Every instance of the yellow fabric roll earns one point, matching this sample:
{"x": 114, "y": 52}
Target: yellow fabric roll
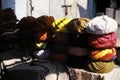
{"x": 59, "y": 25}
{"x": 103, "y": 55}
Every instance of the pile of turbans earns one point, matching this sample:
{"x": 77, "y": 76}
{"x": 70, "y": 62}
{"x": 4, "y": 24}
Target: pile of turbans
{"x": 79, "y": 42}
{"x": 70, "y": 41}
{"x": 60, "y": 40}
{"x": 86, "y": 43}
{"x": 102, "y": 40}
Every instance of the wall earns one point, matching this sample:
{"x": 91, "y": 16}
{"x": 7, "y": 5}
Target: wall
{"x": 37, "y": 8}
{"x": 19, "y": 6}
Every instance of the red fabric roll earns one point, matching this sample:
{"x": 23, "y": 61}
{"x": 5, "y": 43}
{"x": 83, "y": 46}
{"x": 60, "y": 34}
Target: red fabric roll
{"x": 103, "y": 55}
{"x": 103, "y": 41}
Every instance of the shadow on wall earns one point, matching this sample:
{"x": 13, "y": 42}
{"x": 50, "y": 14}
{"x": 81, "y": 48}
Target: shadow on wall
{"x": 82, "y": 11}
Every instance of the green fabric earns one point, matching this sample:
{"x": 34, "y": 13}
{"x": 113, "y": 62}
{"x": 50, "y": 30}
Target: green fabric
{"x": 101, "y": 67}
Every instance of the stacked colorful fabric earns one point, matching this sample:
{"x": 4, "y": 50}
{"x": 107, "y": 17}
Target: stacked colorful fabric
{"x": 78, "y": 43}
{"x": 70, "y": 39}
{"x": 60, "y": 40}
{"x": 102, "y": 40}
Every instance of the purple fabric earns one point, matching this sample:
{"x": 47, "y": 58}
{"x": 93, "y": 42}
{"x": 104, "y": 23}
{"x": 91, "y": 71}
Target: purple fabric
{"x": 77, "y": 51}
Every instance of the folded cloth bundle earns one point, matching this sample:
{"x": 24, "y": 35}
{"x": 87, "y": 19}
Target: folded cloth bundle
{"x": 103, "y": 55}
{"x": 46, "y": 20}
{"x": 77, "y": 51}
{"x": 59, "y": 57}
{"x": 80, "y": 40}
{"x": 101, "y": 25}
{"x": 78, "y": 25}
{"x": 103, "y": 41}
{"x": 25, "y": 33}
{"x": 61, "y": 38}
{"x": 59, "y": 52}
{"x": 59, "y": 48}
{"x": 101, "y": 67}
{"x": 59, "y": 25}
{"x": 78, "y": 61}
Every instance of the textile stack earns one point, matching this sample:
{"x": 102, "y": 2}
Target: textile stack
{"x": 60, "y": 40}
{"x": 102, "y": 41}
{"x": 78, "y": 43}
{"x": 8, "y": 29}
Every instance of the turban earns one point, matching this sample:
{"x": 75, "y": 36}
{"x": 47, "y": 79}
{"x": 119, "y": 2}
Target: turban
{"x": 101, "y": 67}
{"x": 59, "y": 25}
{"x": 78, "y": 25}
{"x": 103, "y": 41}
{"x": 80, "y": 40}
{"x": 58, "y": 48}
{"x": 77, "y": 51}
{"x": 103, "y": 55}
{"x": 61, "y": 38}
{"x": 102, "y": 25}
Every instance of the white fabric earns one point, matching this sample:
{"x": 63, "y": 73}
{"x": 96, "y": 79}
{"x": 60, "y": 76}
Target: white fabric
{"x": 102, "y": 25}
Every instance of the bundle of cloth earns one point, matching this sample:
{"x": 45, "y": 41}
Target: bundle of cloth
{"x": 78, "y": 43}
{"x": 102, "y": 41}
{"x": 85, "y": 43}
{"x": 34, "y": 35}
{"x": 8, "y": 29}
{"x": 60, "y": 40}
{"x": 69, "y": 41}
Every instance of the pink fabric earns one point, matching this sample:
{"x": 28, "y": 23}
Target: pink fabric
{"x": 103, "y": 41}
{"x": 77, "y": 51}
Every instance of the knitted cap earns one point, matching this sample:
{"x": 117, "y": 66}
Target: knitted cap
{"x": 78, "y": 25}
{"x": 102, "y": 25}
{"x": 103, "y": 41}
{"x": 103, "y": 55}
{"x": 59, "y": 25}
{"x": 101, "y": 67}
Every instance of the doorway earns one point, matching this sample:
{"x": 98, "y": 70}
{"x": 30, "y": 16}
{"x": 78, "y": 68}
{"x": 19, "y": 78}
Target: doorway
{"x": 101, "y": 5}
{"x": 0, "y": 4}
